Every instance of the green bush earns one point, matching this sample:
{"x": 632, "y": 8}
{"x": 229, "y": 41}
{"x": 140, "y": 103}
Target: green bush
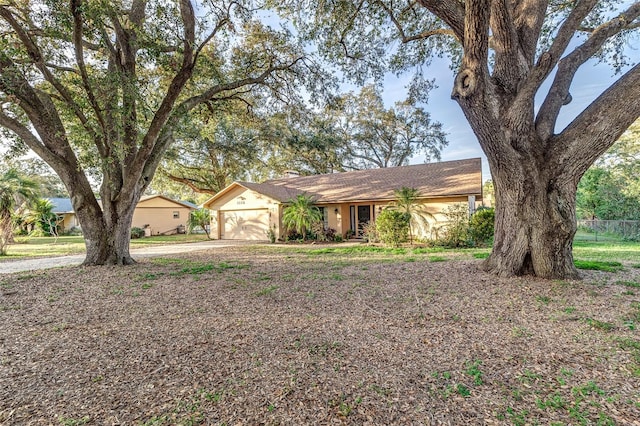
{"x": 300, "y": 215}
{"x": 633, "y": 238}
{"x": 392, "y": 227}
{"x": 481, "y": 225}
{"x": 370, "y": 233}
{"x": 137, "y": 232}
{"x": 272, "y": 234}
{"x": 456, "y": 231}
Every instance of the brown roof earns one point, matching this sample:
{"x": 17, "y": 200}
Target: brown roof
{"x": 443, "y": 179}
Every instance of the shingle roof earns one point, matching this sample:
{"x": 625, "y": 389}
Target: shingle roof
{"x": 447, "y": 178}
{"x": 61, "y": 205}
{"x": 183, "y": 203}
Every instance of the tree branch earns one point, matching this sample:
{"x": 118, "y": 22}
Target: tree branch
{"x": 349, "y": 25}
{"x": 511, "y": 65}
{"x": 224, "y": 21}
{"x": 25, "y": 134}
{"x": 528, "y": 19}
{"x": 452, "y": 12}
{"x": 34, "y": 53}
{"x": 190, "y": 103}
{"x": 524, "y": 99}
{"x": 474, "y": 72}
{"x": 597, "y": 128}
{"x": 569, "y": 65}
{"x": 76, "y": 11}
{"x": 149, "y": 147}
{"x": 421, "y": 36}
{"x": 190, "y": 183}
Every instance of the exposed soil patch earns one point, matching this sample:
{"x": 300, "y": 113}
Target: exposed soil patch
{"x": 252, "y": 335}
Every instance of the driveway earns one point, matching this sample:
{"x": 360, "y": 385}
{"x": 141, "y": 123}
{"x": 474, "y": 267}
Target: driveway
{"x": 138, "y": 253}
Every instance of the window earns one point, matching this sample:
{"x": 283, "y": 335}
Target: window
{"x": 325, "y": 217}
{"x": 176, "y": 215}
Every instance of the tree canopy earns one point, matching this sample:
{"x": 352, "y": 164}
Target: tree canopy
{"x": 99, "y": 89}
{"x": 610, "y": 189}
{"x": 353, "y": 131}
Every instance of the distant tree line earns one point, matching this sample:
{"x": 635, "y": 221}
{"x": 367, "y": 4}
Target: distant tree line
{"x": 610, "y": 189}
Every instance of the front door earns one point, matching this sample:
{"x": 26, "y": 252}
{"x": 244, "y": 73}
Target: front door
{"x": 364, "y": 217}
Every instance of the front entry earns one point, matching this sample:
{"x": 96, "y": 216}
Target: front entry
{"x": 360, "y": 217}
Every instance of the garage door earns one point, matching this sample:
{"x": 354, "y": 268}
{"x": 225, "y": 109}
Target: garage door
{"x": 245, "y": 224}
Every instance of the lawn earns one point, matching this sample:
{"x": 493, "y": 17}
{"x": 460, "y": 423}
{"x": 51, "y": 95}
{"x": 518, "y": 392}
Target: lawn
{"x": 317, "y": 335}
{"x": 620, "y": 251}
{"x": 49, "y": 246}
{"x": 608, "y": 250}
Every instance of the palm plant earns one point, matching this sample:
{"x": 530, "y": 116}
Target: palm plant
{"x": 300, "y": 214}
{"x": 43, "y": 218}
{"x": 407, "y": 201}
{"x": 200, "y": 218}
{"x": 15, "y": 190}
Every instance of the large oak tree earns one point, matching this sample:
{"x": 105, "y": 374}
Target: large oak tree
{"x": 503, "y": 51}
{"x": 351, "y": 132}
{"x": 96, "y": 89}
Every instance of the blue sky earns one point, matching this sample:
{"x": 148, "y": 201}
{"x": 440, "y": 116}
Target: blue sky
{"x": 590, "y": 81}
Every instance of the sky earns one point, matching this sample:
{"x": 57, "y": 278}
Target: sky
{"x": 590, "y": 81}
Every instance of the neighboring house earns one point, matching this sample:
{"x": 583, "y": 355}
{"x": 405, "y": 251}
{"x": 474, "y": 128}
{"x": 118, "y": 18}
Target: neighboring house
{"x": 158, "y": 215}
{"x": 348, "y": 201}
{"x": 63, "y": 209}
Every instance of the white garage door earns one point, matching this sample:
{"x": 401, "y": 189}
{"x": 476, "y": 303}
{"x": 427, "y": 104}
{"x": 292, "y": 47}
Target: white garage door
{"x": 245, "y": 224}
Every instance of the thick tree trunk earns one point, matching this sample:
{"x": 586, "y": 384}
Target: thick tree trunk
{"x": 535, "y": 223}
{"x": 106, "y": 228}
{"x": 107, "y": 245}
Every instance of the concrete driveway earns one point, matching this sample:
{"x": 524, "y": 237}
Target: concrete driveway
{"x": 138, "y": 253}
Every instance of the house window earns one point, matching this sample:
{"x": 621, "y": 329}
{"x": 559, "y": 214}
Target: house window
{"x": 352, "y": 218}
{"x": 325, "y": 217}
{"x": 176, "y": 215}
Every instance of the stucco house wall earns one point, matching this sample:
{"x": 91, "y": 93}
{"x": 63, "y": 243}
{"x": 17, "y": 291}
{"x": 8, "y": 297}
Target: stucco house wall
{"x": 160, "y": 215}
{"x": 241, "y": 213}
{"x": 247, "y": 210}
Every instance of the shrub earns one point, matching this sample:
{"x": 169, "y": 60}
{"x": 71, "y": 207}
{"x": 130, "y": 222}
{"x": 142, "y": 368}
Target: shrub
{"x": 199, "y": 219}
{"x": 408, "y": 201}
{"x": 300, "y": 215}
{"x": 73, "y": 231}
{"x": 337, "y": 238}
{"x": 320, "y": 234}
{"x": 481, "y": 225}
{"x": 137, "y": 232}
{"x": 370, "y": 233}
{"x": 271, "y": 234}
{"x": 634, "y": 238}
{"x": 292, "y": 235}
{"x": 456, "y": 232}
{"x": 392, "y": 227}
{"x": 330, "y": 234}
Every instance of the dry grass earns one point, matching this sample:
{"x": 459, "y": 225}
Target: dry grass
{"x": 262, "y": 336}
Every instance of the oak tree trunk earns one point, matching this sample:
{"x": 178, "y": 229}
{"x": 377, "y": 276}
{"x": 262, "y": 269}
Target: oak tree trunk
{"x": 106, "y": 226}
{"x": 107, "y": 240}
{"x": 534, "y": 223}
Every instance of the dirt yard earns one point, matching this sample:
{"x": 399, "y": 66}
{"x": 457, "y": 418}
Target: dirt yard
{"x": 261, "y": 335}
